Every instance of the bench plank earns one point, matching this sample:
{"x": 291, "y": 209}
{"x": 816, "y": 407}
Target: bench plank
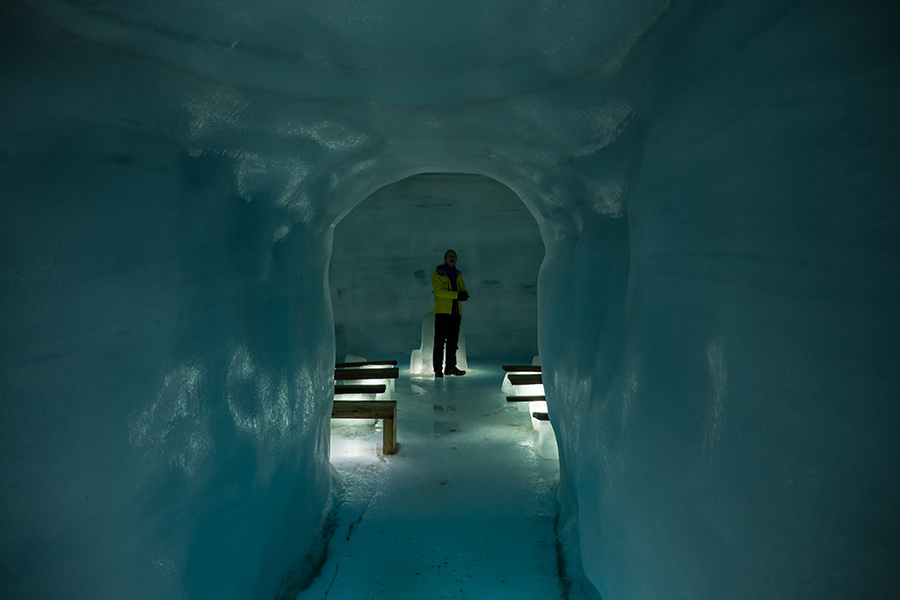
{"x": 351, "y": 374}
{"x": 525, "y": 379}
{"x": 359, "y": 389}
{"x": 541, "y": 416}
{"x": 519, "y": 368}
{"x": 386, "y": 410}
{"x": 525, "y": 399}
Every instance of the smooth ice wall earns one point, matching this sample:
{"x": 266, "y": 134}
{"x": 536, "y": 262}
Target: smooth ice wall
{"x": 728, "y": 359}
{"x": 165, "y": 377}
{"x": 386, "y": 249}
{"x": 714, "y": 188}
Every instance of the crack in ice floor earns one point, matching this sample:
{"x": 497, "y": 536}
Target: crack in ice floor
{"x": 331, "y": 583}
{"x": 355, "y": 523}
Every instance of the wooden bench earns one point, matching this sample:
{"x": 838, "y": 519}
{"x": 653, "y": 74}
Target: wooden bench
{"x": 374, "y": 388}
{"x": 530, "y": 399}
{"x": 526, "y": 399}
{"x": 356, "y": 374}
{"x": 371, "y": 409}
{"x": 522, "y": 369}
{"x": 530, "y": 379}
{"x": 523, "y": 375}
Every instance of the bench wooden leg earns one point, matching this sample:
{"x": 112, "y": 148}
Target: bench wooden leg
{"x": 386, "y": 410}
{"x": 389, "y": 445}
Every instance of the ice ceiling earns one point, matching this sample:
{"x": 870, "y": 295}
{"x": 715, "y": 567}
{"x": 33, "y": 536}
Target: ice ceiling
{"x": 424, "y": 53}
{"x": 716, "y": 189}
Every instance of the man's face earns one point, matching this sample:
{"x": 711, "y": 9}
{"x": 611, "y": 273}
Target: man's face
{"x": 450, "y": 259}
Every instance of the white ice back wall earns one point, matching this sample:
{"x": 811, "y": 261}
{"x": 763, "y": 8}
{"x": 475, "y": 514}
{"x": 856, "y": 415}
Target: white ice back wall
{"x": 715, "y": 186}
{"x": 386, "y": 249}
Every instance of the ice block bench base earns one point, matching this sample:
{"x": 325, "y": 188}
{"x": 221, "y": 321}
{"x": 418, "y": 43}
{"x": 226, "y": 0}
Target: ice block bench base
{"x": 360, "y": 374}
{"x": 385, "y": 410}
{"x": 368, "y": 363}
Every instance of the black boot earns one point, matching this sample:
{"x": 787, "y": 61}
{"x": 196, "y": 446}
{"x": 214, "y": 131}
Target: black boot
{"x": 454, "y": 371}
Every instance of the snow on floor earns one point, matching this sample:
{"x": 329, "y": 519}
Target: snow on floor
{"x": 465, "y": 509}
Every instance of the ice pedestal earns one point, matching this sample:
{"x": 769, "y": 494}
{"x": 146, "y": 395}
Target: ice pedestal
{"x": 536, "y": 407}
{"x": 546, "y": 445}
{"x": 420, "y": 359}
{"x": 522, "y": 390}
{"x": 507, "y": 388}
{"x": 536, "y": 389}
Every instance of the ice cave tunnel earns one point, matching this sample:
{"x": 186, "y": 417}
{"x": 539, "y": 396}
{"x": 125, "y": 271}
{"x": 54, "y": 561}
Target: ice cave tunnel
{"x": 715, "y": 190}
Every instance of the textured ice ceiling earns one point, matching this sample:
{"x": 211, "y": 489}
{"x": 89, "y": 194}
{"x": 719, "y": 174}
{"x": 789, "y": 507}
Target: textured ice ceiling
{"x": 383, "y": 89}
{"x": 407, "y": 53}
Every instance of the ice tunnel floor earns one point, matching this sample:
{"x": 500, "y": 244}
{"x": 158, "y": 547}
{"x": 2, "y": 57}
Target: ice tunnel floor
{"x": 465, "y": 509}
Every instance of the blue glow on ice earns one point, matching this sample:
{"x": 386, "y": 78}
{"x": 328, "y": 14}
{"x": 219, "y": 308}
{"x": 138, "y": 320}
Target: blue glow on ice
{"x": 715, "y": 185}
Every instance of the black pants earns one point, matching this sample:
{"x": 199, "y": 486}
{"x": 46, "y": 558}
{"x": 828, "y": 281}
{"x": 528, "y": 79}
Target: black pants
{"x": 446, "y": 330}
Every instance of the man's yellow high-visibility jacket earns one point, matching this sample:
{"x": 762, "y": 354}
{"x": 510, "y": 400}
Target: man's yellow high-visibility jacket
{"x": 447, "y": 284}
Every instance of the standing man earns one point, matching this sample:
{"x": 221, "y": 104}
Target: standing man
{"x": 449, "y": 290}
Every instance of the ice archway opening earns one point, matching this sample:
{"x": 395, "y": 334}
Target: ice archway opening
{"x": 386, "y": 248}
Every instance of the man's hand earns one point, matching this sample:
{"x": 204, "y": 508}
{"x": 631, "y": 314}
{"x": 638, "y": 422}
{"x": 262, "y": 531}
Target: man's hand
{"x": 462, "y": 296}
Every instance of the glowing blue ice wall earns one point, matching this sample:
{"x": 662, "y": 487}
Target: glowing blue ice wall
{"x": 716, "y": 188}
{"x": 728, "y": 357}
{"x": 166, "y": 358}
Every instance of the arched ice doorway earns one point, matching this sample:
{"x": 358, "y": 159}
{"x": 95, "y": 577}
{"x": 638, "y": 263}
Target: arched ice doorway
{"x": 467, "y": 505}
{"x": 386, "y": 249}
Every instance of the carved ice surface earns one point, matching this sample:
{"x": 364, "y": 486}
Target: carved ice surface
{"x": 466, "y": 507}
{"x": 716, "y": 189}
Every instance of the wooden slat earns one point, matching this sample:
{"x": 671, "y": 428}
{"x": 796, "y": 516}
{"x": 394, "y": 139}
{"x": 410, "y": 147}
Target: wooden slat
{"x": 364, "y": 409}
{"x": 352, "y": 374}
{"x": 359, "y": 389}
{"x": 541, "y": 416}
{"x": 525, "y": 379}
{"x": 351, "y": 365}
{"x": 371, "y": 409}
{"x": 518, "y": 368}
{"x": 525, "y": 398}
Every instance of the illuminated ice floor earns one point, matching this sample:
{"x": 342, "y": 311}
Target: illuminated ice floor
{"x": 465, "y": 509}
